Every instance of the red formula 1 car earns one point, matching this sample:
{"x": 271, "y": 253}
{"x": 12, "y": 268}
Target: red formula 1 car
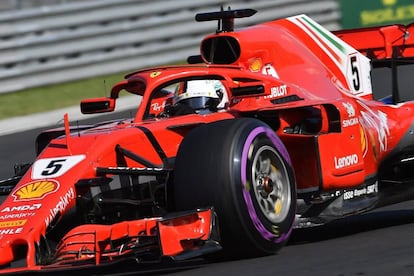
{"x": 276, "y": 126}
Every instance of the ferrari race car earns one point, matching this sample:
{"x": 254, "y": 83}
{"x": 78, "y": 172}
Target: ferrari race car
{"x": 273, "y": 127}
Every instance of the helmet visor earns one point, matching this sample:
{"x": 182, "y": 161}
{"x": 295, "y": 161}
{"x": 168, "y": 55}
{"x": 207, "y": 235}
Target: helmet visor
{"x": 200, "y": 102}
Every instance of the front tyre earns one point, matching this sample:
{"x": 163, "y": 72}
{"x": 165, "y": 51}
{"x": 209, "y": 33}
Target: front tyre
{"x": 242, "y": 169}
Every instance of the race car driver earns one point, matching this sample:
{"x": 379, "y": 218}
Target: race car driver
{"x": 199, "y": 96}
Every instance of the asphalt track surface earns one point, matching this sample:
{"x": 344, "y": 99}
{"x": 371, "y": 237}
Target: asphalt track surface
{"x": 377, "y": 243}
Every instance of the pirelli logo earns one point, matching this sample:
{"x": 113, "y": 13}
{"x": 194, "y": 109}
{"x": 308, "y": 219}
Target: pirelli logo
{"x": 12, "y": 223}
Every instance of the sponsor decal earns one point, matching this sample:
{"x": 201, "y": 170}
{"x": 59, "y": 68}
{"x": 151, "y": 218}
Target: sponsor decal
{"x": 255, "y": 64}
{"x": 349, "y": 122}
{"x": 278, "y": 91}
{"x": 142, "y": 169}
{"x": 352, "y": 120}
{"x": 12, "y": 223}
{"x": 157, "y": 107}
{"x": 345, "y": 161}
{"x": 60, "y": 206}
{"x": 155, "y": 74}
{"x": 11, "y": 231}
{"x": 269, "y": 70}
{"x": 368, "y": 190}
{"x": 349, "y": 109}
{"x": 35, "y": 190}
{"x": 374, "y": 13}
{"x": 17, "y": 216}
{"x": 20, "y": 208}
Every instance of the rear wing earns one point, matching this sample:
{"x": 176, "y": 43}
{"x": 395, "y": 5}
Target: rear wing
{"x": 381, "y": 42}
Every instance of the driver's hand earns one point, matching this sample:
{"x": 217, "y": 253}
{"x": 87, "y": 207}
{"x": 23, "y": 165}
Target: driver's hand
{"x": 163, "y": 114}
{"x": 167, "y": 112}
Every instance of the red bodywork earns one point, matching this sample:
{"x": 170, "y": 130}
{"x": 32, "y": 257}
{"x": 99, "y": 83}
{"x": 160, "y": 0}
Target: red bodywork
{"x": 291, "y": 73}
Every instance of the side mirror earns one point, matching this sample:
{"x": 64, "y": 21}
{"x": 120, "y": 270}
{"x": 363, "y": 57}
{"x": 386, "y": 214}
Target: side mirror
{"x": 97, "y": 105}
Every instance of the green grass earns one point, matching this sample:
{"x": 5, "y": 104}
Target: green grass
{"x": 55, "y": 96}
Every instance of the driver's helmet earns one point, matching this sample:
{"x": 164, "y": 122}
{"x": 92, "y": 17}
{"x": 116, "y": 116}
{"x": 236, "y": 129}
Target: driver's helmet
{"x": 207, "y": 95}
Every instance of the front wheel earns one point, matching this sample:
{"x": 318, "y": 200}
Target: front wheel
{"x": 242, "y": 169}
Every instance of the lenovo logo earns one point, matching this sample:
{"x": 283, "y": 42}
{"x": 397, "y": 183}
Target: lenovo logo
{"x": 345, "y": 161}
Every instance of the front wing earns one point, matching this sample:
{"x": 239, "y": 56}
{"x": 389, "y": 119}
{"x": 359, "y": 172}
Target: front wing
{"x": 178, "y": 237}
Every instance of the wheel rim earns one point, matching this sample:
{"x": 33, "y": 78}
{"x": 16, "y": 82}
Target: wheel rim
{"x": 271, "y": 184}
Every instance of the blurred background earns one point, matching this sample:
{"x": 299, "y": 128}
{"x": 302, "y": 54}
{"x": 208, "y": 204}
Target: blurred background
{"x": 52, "y": 42}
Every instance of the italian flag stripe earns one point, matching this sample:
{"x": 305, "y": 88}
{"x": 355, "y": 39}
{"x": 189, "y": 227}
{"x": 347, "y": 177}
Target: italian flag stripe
{"x": 324, "y": 46}
{"x": 338, "y": 45}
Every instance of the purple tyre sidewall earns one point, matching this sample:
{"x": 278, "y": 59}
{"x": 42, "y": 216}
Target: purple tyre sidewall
{"x": 256, "y": 220}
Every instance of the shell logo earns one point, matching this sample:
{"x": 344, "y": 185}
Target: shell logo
{"x": 35, "y": 190}
{"x": 255, "y": 65}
